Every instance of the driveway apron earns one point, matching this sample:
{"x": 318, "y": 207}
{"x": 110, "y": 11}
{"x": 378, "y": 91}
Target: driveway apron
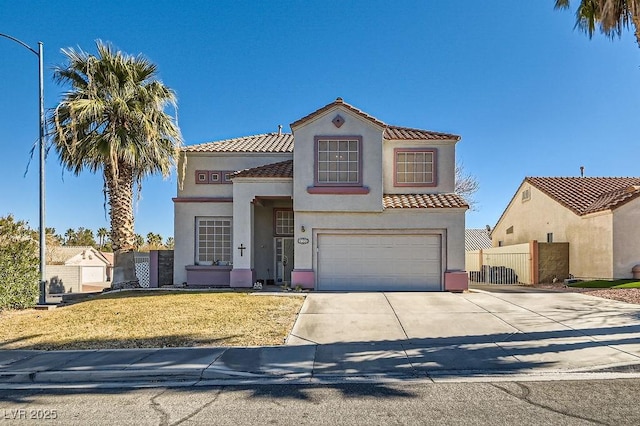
{"x": 437, "y": 333}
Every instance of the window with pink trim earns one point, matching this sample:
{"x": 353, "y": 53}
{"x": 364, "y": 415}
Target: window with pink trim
{"x": 415, "y": 167}
{"x": 338, "y": 161}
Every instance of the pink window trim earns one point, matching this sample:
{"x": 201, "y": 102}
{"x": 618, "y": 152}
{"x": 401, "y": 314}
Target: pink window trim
{"x": 434, "y": 172}
{"x": 338, "y": 190}
{"x": 275, "y": 217}
{"x": 209, "y": 180}
{"x": 316, "y": 184}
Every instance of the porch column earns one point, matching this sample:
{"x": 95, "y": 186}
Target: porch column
{"x": 242, "y": 274}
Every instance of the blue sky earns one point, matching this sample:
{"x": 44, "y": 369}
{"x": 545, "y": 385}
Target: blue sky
{"x": 529, "y": 95}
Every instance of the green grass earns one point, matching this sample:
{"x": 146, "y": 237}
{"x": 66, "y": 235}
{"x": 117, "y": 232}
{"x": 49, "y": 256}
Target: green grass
{"x": 607, "y": 284}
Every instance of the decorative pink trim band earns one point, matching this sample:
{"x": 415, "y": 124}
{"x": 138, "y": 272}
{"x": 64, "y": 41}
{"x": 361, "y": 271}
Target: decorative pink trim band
{"x": 338, "y": 190}
{"x": 202, "y": 200}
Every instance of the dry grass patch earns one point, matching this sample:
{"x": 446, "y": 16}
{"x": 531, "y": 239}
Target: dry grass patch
{"x": 154, "y": 319}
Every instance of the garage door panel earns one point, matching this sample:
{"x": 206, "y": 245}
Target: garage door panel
{"x": 379, "y": 262}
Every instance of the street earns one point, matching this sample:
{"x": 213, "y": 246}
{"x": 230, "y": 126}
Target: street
{"x": 611, "y": 402}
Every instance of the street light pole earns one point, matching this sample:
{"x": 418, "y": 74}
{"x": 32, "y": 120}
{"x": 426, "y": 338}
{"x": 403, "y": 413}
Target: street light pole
{"x": 42, "y": 232}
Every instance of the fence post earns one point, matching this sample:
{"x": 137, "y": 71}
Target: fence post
{"x": 533, "y": 267}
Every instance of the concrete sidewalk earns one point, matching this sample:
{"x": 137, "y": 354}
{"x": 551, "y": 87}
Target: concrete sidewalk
{"x": 377, "y": 336}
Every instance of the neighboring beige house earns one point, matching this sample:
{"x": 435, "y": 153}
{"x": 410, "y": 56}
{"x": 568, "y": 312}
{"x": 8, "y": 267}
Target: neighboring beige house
{"x": 598, "y": 216}
{"x": 358, "y": 205}
{"x": 70, "y": 268}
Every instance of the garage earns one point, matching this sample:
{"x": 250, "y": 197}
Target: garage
{"x": 379, "y": 262}
{"x": 93, "y": 274}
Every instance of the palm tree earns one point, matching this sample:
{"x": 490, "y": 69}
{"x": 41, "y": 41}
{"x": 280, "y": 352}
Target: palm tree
{"x": 102, "y": 234}
{"x": 112, "y": 120}
{"x": 69, "y": 236}
{"x": 612, "y": 16}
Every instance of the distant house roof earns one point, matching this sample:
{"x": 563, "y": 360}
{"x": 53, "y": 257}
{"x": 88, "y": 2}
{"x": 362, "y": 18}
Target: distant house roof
{"x": 423, "y": 201}
{"x": 283, "y": 142}
{"x": 109, "y": 256}
{"x": 268, "y": 142}
{"x": 584, "y": 195}
{"x": 476, "y": 239}
{"x": 58, "y": 255}
{"x": 283, "y": 169}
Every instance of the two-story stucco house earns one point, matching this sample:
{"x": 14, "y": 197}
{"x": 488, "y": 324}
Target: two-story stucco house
{"x": 358, "y": 205}
{"x": 598, "y": 216}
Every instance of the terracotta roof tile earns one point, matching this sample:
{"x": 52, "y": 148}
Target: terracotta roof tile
{"x": 268, "y": 142}
{"x": 283, "y": 169}
{"x": 337, "y": 102}
{"x": 406, "y": 133}
{"x": 423, "y": 201}
{"x": 584, "y": 195}
{"x": 476, "y": 239}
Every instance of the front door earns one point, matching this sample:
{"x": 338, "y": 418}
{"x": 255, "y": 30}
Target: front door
{"x": 283, "y": 259}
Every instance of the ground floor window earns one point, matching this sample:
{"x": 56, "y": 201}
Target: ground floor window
{"x": 213, "y": 240}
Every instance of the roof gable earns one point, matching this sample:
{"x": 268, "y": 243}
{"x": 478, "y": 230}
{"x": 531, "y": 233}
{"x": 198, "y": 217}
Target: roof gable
{"x": 584, "y": 195}
{"x": 62, "y": 254}
{"x": 335, "y": 104}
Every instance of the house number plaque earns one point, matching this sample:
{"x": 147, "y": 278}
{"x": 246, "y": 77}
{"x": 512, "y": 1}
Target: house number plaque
{"x": 303, "y": 240}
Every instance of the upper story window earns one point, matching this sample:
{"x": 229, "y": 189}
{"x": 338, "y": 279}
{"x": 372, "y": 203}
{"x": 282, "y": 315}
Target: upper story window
{"x": 338, "y": 161}
{"x": 415, "y": 167}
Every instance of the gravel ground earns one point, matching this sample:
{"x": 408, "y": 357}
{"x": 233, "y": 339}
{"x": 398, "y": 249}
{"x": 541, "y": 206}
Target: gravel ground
{"x": 629, "y": 295}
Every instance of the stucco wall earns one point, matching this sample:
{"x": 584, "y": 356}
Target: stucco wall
{"x": 449, "y": 221}
{"x": 371, "y": 172}
{"x": 184, "y": 230}
{"x": 626, "y": 239}
{"x": 533, "y": 219}
{"x": 445, "y": 167}
{"x": 591, "y": 246}
{"x": 221, "y": 161}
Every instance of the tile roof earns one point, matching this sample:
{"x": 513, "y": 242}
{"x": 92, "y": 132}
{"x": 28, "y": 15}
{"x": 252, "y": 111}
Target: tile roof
{"x": 476, "y": 239}
{"x": 423, "y": 201}
{"x": 406, "y": 133}
{"x": 61, "y": 254}
{"x": 267, "y": 142}
{"x": 337, "y": 102}
{"x": 283, "y": 142}
{"x": 584, "y": 195}
{"x": 283, "y": 169}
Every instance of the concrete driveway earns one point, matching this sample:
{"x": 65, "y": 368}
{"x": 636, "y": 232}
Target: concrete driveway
{"x": 476, "y": 331}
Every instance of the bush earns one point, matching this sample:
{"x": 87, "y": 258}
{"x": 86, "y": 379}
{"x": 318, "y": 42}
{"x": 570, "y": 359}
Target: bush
{"x": 19, "y": 261}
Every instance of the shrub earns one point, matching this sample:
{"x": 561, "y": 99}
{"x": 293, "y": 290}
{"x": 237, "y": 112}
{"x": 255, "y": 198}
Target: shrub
{"x": 19, "y": 260}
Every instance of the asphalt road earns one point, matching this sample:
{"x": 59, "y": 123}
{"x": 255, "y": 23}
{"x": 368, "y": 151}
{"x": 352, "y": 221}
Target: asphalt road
{"x": 610, "y": 402}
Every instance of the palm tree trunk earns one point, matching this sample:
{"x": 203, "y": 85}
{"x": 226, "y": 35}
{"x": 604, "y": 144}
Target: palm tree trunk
{"x": 120, "y": 193}
{"x": 636, "y": 24}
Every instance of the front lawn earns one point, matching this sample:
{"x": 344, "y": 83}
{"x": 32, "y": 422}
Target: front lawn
{"x": 150, "y": 319}
{"x": 630, "y": 283}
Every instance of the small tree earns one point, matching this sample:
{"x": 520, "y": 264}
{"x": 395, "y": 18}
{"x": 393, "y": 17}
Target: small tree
{"x": 466, "y": 186}
{"x": 19, "y": 260}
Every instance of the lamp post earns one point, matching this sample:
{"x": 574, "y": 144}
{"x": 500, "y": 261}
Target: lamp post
{"x": 42, "y": 233}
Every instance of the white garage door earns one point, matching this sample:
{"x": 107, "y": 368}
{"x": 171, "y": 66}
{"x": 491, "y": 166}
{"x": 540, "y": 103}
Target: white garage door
{"x": 379, "y": 262}
{"x": 92, "y": 274}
